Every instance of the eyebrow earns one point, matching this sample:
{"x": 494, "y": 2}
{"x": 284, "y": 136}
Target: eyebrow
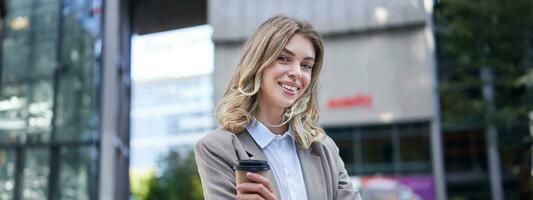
{"x": 292, "y": 54}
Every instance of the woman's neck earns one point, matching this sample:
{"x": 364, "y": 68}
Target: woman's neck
{"x": 271, "y": 118}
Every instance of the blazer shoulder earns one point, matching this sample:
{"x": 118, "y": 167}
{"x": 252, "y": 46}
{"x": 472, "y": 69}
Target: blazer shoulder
{"x": 219, "y": 137}
{"x": 328, "y": 143}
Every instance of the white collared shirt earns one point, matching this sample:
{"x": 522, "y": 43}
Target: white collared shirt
{"x": 280, "y": 151}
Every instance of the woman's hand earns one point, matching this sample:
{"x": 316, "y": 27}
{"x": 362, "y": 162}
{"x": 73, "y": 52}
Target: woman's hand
{"x": 261, "y": 189}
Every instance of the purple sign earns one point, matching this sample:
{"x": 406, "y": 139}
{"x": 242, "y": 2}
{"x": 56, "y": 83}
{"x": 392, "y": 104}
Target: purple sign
{"x": 388, "y": 187}
{"x": 421, "y": 185}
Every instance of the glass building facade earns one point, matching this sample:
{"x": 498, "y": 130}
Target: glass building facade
{"x": 400, "y": 149}
{"x": 172, "y": 94}
{"x": 49, "y": 99}
{"x": 169, "y": 115}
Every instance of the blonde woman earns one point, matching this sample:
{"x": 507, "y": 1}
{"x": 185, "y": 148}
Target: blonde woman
{"x": 269, "y": 112}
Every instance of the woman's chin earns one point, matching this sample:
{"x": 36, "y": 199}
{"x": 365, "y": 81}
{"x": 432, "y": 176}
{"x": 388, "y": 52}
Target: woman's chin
{"x": 286, "y": 103}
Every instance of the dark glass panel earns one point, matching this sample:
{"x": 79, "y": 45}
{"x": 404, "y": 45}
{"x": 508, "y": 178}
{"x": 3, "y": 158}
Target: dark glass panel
{"x": 35, "y": 174}
{"x": 78, "y": 167}
{"x": 7, "y": 174}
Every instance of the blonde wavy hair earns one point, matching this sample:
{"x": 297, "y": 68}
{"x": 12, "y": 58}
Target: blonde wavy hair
{"x": 239, "y": 103}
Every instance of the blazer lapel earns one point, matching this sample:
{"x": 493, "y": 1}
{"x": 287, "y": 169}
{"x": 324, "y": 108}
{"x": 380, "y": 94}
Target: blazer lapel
{"x": 255, "y": 152}
{"x": 313, "y": 173}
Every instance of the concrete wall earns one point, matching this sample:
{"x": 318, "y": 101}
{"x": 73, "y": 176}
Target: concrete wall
{"x": 236, "y": 19}
{"x": 391, "y": 68}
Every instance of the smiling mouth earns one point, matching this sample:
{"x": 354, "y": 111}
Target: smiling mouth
{"x": 289, "y": 88}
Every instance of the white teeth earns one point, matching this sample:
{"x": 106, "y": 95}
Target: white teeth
{"x": 288, "y": 87}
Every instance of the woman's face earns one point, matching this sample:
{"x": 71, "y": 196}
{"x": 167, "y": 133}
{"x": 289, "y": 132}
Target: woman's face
{"x": 287, "y": 78}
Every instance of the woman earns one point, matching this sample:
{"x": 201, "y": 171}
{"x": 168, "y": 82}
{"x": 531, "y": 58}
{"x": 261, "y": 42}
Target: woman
{"x": 269, "y": 112}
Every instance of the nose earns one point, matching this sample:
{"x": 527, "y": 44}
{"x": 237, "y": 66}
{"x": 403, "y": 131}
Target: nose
{"x": 295, "y": 71}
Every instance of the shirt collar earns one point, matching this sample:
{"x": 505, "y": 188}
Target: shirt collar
{"x": 262, "y": 135}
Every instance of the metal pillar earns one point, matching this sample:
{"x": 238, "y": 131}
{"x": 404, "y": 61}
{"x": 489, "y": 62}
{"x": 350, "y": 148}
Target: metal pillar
{"x": 531, "y": 133}
{"x": 437, "y": 157}
{"x": 115, "y": 87}
{"x": 109, "y": 102}
{"x": 491, "y": 136}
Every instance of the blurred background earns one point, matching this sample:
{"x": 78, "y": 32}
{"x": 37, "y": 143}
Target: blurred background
{"x": 105, "y": 99}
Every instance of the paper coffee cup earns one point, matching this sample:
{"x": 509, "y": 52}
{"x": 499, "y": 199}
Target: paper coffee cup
{"x": 260, "y": 167}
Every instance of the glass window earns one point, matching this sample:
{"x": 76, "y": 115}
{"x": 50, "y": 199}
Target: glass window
{"x": 415, "y": 155}
{"x": 377, "y": 144}
{"x": 343, "y": 138}
{"x": 7, "y": 173}
{"x": 414, "y": 148}
{"x": 347, "y": 152}
{"x": 465, "y": 151}
{"x": 35, "y": 174}
{"x": 76, "y": 93}
{"x": 28, "y": 96}
{"x": 77, "y": 165}
{"x": 414, "y": 142}
{"x": 34, "y": 88}
{"x": 397, "y": 149}
{"x": 18, "y": 3}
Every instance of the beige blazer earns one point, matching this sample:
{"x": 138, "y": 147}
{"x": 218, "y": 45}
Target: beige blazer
{"x": 323, "y": 170}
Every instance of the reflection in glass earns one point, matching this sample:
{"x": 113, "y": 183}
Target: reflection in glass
{"x": 76, "y": 89}
{"x": 48, "y": 73}
{"x": 415, "y": 154}
{"x": 26, "y": 98}
{"x": 76, "y": 179}
{"x": 35, "y": 174}
{"x": 377, "y": 149}
{"x": 7, "y": 174}
{"x": 397, "y": 149}
{"x": 347, "y": 151}
{"x": 414, "y": 148}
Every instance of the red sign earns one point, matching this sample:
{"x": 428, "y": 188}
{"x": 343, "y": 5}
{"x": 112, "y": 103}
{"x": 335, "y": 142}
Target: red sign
{"x": 359, "y": 100}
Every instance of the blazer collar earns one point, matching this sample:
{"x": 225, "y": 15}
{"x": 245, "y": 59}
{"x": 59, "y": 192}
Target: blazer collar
{"x": 313, "y": 172}
{"x": 310, "y": 163}
{"x": 254, "y": 152}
